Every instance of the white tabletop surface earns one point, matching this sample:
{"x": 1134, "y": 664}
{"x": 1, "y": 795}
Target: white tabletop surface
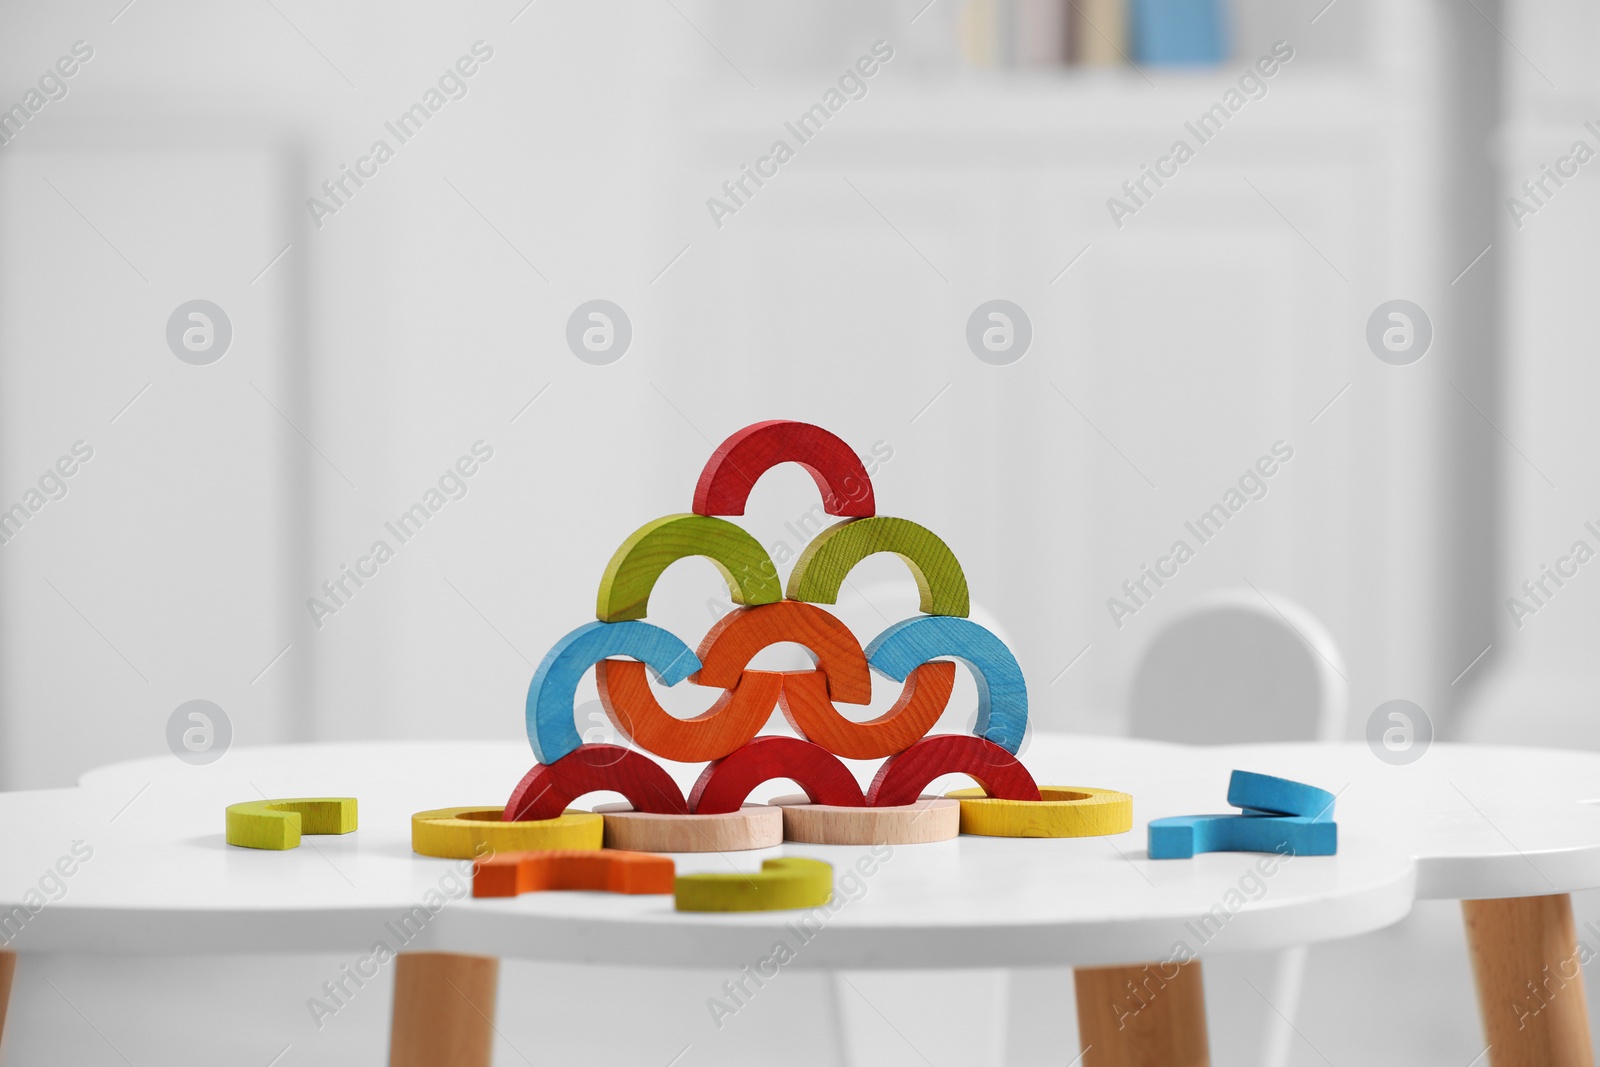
{"x": 1461, "y": 822}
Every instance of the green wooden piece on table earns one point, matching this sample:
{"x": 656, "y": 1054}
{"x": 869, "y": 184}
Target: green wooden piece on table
{"x": 781, "y": 884}
{"x": 278, "y": 824}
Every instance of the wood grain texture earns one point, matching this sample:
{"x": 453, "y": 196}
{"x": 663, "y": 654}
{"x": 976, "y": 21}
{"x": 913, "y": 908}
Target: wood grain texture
{"x": 1149, "y": 1016}
{"x": 625, "y": 587}
{"x": 470, "y": 832}
{"x": 547, "y": 789}
{"x": 902, "y": 778}
{"x": 278, "y": 824}
{"x": 1279, "y": 796}
{"x": 1002, "y": 690}
{"x": 603, "y": 870}
{"x": 740, "y": 461}
{"x": 1525, "y": 958}
{"x": 1061, "y": 811}
{"x": 8, "y": 971}
{"x": 736, "y": 717}
{"x": 781, "y": 884}
{"x": 724, "y": 785}
{"x": 923, "y": 820}
{"x": 923, "y": 699}
{"x": 830, "y": 556}
{"x": 1184, "y": 836}
{"x": 549, "y": 706}
{"x": 751, "y": 826}
{"x": 736, "y": 637}
{"x": 443, "y": 1013}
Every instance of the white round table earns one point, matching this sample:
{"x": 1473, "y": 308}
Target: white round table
{"x": 1463, "y": 822}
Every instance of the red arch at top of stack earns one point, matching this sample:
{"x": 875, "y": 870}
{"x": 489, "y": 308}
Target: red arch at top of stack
{"x": 741, "y": 460}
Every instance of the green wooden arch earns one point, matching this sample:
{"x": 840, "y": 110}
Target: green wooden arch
{"x": 834, "y": 552}
{"x": 652, "y": 548}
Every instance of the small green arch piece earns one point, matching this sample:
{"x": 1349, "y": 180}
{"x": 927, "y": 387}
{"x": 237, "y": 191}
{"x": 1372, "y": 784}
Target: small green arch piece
{"x": 834, "y": 552}
{"x": 782, "y": 884}
{"x": 278, "y": 824}
{"x": 652, "y": 548}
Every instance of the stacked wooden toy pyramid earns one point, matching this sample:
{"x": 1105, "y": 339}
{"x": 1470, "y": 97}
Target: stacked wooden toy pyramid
{"x": 917, "y": 652}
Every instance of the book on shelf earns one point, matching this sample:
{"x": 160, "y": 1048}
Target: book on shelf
{"x": 1009, "y": 34}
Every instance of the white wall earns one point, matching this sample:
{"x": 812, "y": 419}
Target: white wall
{"x": 425, "y": 315}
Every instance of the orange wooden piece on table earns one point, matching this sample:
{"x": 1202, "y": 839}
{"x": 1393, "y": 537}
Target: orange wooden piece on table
{"x": 740, "y": 634}
{"x": 605, "y": 870}
{"x": 902, "y": 778}
{"x": 922, "y": 700}
{"x": 736, "y": 465}
{"x": 736, "y": 717}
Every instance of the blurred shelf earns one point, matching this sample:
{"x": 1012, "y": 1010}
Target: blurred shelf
{"x": 1071, "y": 114}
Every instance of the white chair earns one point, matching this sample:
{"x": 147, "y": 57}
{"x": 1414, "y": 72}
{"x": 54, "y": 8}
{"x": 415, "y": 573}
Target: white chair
{"x": 1241, "y": 666}
{"x": 1238, "y": 667}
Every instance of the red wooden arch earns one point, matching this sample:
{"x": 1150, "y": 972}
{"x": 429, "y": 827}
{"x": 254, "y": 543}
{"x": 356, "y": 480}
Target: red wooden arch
{"x": 737, "y": 464}
{"x": 902, "y": 778}
{"x": 725, "y": 784}
{"x": 545, "y": 791}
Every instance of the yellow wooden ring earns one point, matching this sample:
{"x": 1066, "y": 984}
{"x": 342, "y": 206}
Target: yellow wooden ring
{"x": 278, "y": 824}
{"x": 1064, "y": 811}
{"x": 787, "y": 882}
{"x": 469, "y": 833}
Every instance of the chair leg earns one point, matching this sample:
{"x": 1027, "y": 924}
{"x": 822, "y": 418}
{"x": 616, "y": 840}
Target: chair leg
{"x": 8, "y": 968}
{"x": 443, "y": 1010}
{"x": 838, "y": 994}
{"x": 1526, "y": 958}
{"x": 1289, "y": 974}
{"x": 1149, "y": 1016}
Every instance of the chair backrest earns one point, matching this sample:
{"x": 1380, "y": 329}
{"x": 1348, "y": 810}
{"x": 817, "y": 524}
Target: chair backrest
{"x": 1240, "y": 667}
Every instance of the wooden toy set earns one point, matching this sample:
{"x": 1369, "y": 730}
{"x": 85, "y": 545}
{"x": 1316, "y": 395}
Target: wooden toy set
{"x": 916, "y": 653}
{"x": 537, "y": 842}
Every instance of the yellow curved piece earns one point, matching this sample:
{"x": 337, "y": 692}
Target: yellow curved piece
{"x": 1064, "y": 811}
{"x": 468, "y": 833}
{"x": 781, "y": 884}
{"x": 278, "y": 824}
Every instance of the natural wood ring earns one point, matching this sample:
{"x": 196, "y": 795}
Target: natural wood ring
{"x": 1063, "y": 811}
{"x": 752, "y": 826}
{"x": 926, "y": 819}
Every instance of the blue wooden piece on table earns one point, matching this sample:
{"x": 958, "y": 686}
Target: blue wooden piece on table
{"x": 1279, "y": 796}
{"x": 1185, "y": 836}
{"x": 551, "y": 730}
{"x": 1002, "y": 691}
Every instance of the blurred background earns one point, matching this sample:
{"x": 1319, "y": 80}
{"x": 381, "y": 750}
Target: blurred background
{"x": 372, "y": 316}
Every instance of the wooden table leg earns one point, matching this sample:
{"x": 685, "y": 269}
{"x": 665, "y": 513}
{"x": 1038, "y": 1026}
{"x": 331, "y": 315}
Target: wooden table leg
{"x": 1526, "y": 958}
{"x": 1149, "y": 1016}
{"x": 443, "y": 1010}
{"x": 8, "y": 967}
